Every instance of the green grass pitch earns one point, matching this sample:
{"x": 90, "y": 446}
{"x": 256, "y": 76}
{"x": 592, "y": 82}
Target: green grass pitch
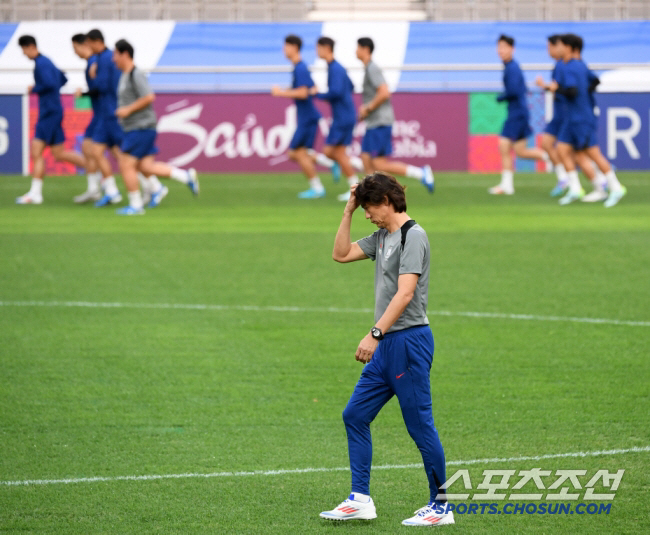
{"x": 143, "y": 390}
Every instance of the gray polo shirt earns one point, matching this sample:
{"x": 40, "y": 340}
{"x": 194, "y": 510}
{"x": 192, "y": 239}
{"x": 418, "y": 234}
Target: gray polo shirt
{"x": 133, "y": 86}
{"x": 372, "y": 79}
{"x": 390, "y": 262}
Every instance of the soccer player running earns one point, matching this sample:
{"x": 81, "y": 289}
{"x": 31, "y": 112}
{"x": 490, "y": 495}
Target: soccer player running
{"x": 377, "y": 111}
{"x": 107, "y": 133}
{"x": 94, "y": 176}
{"x": 516, "y": 128}
{"x": 344, "y": 116}
{"x": 577, "y": 137}
{"x": 307, "y": 117}
{"x": 138, "y": 119}
{"x": 48, "y": 80}
{"x": 398, "y": 350}
{"x": 549, "y": 137}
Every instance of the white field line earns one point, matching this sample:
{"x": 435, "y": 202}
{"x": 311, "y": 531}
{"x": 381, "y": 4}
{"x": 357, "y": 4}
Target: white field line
{"x": 154, "y": 477}
{"x": 270, "y": 308}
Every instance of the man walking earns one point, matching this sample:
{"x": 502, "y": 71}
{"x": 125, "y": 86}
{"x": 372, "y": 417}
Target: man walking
{"x": 398, "y": 350}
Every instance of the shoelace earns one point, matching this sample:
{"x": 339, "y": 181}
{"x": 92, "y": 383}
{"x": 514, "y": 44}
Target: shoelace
{"x": 424, "y": 511}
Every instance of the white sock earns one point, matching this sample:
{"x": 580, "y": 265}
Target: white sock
{"x": 144, "y": 183}
{"x": 180, "y": 174}
{"x": 612, "y": 181}
{"x": 363, "y": 498}
{"x": 316, "y": 184}
{"x": 110, "y": 187}
{"x": 353, "y": 180}
{"x": 321, "y": 159}
{"x": 574, "y": 181}
{"x": 560, "y": 171}
{"x": 600, "y": 181}
{"x": 357, "y": 163}
{"x": 36, "y": 189}
{"x": 93, "y": 180}
{"x": 135, "y": 199}
{"x": 414, "y": 172}
{"x": 507, "y": 180}
{"x": 154, "y": 183}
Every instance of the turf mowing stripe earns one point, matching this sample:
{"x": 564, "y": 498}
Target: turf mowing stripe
{"x": 269, "y": 308}
{"x": 312, "y": 470}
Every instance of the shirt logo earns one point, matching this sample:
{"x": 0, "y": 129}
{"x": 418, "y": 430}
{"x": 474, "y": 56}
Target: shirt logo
{"x": 388, "y": 251}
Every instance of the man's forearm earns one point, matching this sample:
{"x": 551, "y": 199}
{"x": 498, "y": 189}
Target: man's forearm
{"x": 394, "y": 310}
{"x": 342, "y": 244}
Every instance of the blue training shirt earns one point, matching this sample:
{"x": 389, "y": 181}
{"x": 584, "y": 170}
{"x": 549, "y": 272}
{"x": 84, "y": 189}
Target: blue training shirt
{"x": 559, "y": 101}
{"x": 575, "y": 74}
{"x": 48, "y": 80}
{"x": 306, "y": 111}
{"x": 339, "y": 94}
{"x": 106, "y": 81}
{"x": 514, "y": 90}
{"x": 94, "y": 99}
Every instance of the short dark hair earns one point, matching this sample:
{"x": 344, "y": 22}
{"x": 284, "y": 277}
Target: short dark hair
{"x": 579, "y": 43}
{"x": 326, "y": 41}
{"x": 79, "y": 38}
{"x": 506, "y": 39}
{"x": 375, "y": 189}
{"x": 293, "y": 40}
{"x": 124, "y": 46}
{"x": 26, "y": 40}
{"x": 366, "y": 42}
{"x": 95, "y": 35}
{"x": 553, "y": 39}
{"x": 572, "y": 40}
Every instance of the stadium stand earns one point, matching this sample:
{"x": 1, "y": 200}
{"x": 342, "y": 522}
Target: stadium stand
{"x": 325, "y": 10}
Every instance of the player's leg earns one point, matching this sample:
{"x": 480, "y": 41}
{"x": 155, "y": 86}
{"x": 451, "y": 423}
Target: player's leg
{"x": 93, "y": 175}
{"x": 108, "y": 185}
{"x": 61, "y": 154}
{"x": 616, "y": 190}
{"x": 129, "y": 169}
{"x": 528, "y": 153}
{"x": 338, "y": 139}
{"x": 423, "y": 174}
{"x": 301, "y": 143}
{"x": 370, "y": 394}
{"x": 566, "y": 153}
{"x": 368, "y": 166}
{"x": 35, "y": 193}
{"x": 506, "y": 186}
{"x": 548, "y": 145}
{"x": 598, "y": 193}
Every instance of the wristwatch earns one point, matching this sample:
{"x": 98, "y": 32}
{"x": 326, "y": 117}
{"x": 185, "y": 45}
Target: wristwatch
{"x": 376, "y": 333}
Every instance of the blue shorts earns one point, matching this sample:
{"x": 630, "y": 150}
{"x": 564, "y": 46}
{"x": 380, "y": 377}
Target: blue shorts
{"x": 92, "y": 126}
{"x": 139, "y": 143}
{"x": 340, "y": 134}
{"x": 378, "y": 141}
{"x": 108, "y": 132}
{"x": 554, "y": 126}
{"x": 304, "y": 136}
{"x": 49, "y": 130}
{"x": 516, "y": 128}
{"x": 580, "y": 136}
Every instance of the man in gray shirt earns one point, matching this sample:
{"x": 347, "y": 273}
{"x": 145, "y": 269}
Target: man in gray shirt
{"x": 377, "y": 110}
{"x": 136, "y": 115}
{"x": 398, "y": 350}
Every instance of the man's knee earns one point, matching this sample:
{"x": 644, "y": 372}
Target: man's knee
{"x": 293, "y": 155}
{"x": 351, "y": 417}
{"x": 505, "y": 145}
{"x": 329, "y": 151}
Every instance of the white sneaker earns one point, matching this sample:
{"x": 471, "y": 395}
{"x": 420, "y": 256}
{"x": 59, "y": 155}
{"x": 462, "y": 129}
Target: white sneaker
{"x": 499, "y": 190}
{"x": 429, "y": 516}
{"x": 344, "y": 197}
{"x": 572, "y": 196}
{"x": 87, "y": 196}
{"x": 615, "y": 196}
{"x": 29, "y": 198}
{"x": 595, "y": 196}
{"x": 351, "y": 509}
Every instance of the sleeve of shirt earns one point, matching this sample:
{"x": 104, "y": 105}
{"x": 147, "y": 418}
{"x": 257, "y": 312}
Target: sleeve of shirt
{"x": 570, "y": 78}
{"x": 412, "y": 257}
{"x": 303, "y": 78}
{"x": 141, "y": 83}
{"x": 46, "y": 77}
{"x": 336, "y": 85}
{"x": 104, "y": 78}
{"x": 375, "y": 75}
{"x": 369, "y": 245}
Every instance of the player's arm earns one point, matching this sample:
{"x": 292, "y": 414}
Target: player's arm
{"x": 510, "y": 86}
{"x": 299, "y": 92}
{"x": 406, "y": 284}
{"x": 46, "y": 79}
{"x": 138, "y": 105}
{"x": 594, "y": 81}
{"x": 382, "y": 95}
{"x": 103, "y": 78}
{"x": 336, "y": 86}
{"x": 344, "y": 251}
